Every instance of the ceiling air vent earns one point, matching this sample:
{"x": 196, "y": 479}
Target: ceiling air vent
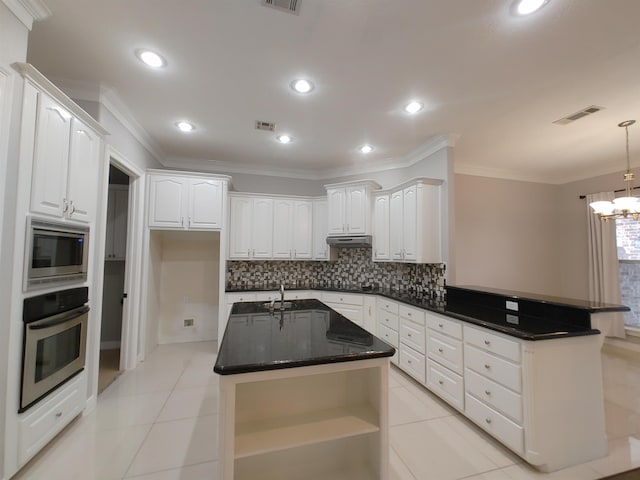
{"x": 266, "y": 126}
{"x": 578, "y": 115}
{"x": 289, "y": 6}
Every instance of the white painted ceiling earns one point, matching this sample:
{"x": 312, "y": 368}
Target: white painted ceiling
{"x": 495, "y": 79}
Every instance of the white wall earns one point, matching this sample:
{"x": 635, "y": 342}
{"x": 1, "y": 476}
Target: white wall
{"x": 13, "y": 48}
{"x": 508, "y": 235}
{"x": 189, "y": 284}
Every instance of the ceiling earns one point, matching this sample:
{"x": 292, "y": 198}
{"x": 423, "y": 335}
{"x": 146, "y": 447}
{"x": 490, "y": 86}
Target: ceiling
{"x": 488, "y": 78}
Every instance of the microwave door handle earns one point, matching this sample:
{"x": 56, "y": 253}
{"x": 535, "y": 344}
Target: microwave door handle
{"x": 59, "y": 321}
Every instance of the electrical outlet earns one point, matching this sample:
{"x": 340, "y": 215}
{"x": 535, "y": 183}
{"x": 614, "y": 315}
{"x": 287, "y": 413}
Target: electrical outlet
{"x": 188, "y": 322}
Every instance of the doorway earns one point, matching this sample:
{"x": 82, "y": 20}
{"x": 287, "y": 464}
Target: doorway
{"x": 115, "y": 267}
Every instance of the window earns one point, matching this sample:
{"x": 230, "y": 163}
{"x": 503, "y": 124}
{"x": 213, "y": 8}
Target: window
{"x": 628, "y": 243}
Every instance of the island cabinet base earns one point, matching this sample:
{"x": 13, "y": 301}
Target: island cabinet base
{"x": 314, "y": 422}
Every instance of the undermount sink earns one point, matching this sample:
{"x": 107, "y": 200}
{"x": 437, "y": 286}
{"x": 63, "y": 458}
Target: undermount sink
{"x": 278, "y": 305}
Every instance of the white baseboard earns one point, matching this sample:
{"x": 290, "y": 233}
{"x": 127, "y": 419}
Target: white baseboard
{"x": 622, "y": 344}
{"x": 110, "y": 345}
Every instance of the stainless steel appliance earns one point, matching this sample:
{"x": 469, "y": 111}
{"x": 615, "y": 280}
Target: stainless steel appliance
{"x": 55, "y": 338}
{"x": 56, "y": 252}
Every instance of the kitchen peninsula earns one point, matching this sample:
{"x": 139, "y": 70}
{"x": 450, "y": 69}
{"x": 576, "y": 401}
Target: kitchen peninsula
{"x": 525, "y": 368}
{"x": 303, "y": 394}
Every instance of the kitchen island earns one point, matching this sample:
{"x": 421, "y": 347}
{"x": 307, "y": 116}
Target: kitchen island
{"x": 303, "y": 395}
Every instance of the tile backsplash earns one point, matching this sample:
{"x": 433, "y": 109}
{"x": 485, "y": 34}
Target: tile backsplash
{"x": 353, "y": 268}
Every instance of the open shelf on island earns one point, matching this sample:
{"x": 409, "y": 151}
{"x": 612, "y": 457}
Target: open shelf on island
{"x": 263, "y": 436}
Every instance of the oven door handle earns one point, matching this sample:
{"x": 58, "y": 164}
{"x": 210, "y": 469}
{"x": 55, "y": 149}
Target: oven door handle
{"x": 66, "y": 318}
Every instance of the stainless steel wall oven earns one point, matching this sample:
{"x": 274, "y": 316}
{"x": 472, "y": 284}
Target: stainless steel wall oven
{"x": 55, "y": 338}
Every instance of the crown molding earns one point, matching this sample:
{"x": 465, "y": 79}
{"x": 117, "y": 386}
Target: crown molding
{"x": 112, "y": 102}
{"x": 108, "y": 98}
{"x": 231, "y": 167}
{"x": 28, "y": 11}
{"x": 428, "y": 148}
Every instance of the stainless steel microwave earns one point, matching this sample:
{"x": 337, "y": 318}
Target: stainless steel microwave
{"x": 56, "y": 253}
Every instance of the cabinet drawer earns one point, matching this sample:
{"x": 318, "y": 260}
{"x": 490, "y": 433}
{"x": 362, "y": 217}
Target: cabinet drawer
{"x": 388, "y": 319}
{"x": 388, "y": 305}
{"x": 297, "y": 294}
{"x": 444, "y": 325}
{"x": 413, "y": 363}
{"x": 342, "y": 298}
{"x": 266, "y": 296}
{"x": 37, "y": 428}
{"x": 388, "y": 335}
{"x": 494, "y": 395}
{"x": 446, "y": 384}
{"x": 412, "y": 334}
{"x": 493, "y": 367}
{"x": 240, "y": 297}
{"x": 492, "y": 343}
{"x": 413, "y": 314}
{"x": 508, "y": 432}
{"x": 446, "y": 351}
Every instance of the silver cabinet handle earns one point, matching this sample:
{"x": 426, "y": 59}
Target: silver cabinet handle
{"x": 408, "y": 314}
{"x": 248, "y": 253}
{"x": 487, "y": 366}
{"x": 409, "y": 335}
{"x": 72, "y": 206}
{"x": 65, "y": 205}
{"x": 488, "y": 420}
{"x": 440, "y": 350}
{"x": 487, "y": 342}
{"x": 189, "y": 222}
{"x": 487, "y": 392}
{"x": 440, "y": 382}
{"x": 58, "y": 414}
{"x": 440, "y": 325}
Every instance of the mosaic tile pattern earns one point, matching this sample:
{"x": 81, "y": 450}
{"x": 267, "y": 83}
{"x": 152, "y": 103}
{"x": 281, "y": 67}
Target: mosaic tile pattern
{"x": 352, "y": 269}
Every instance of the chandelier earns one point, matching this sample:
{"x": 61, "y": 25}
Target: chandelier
{"x": 621, "y": 207}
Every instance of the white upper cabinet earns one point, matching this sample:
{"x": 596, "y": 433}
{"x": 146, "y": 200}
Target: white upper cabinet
{"x": 282, "y": 225}
{"x": 250, "y": 228}
{"x": 302, "y": 229}
{"x": 66, "y": 153}
{"x": 414, "y": 222}
{"x": 320, "y": 224}
{"x": 381, "y": 227}
{"x": 268, "y": 227}
{"x": 349, "y": 207}
{"x": 186, "y": 201}
{"x": 84, "y": 170}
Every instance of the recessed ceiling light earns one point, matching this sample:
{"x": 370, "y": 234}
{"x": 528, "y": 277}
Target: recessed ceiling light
{"x": 152, "y": 59}
{"x": 413, "y": 107}
{"x": 526, "y": 7}
{"x": 302, "y": 86}
{"x": 366, "y": 149}
{"x": 185, "y": 126}
{"x": 284, "y": 139}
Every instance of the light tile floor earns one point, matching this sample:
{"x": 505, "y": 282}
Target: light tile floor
{"x": 159, "y": 422}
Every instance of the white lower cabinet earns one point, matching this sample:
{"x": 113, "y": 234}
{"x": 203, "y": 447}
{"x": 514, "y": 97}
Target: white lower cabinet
{"x": 45, "y": 420}
{"x": 348, "y": 304}
{"x": 412, "y": 341}
{"x": 445, "y": 365}
{"x": 388, "y": 324}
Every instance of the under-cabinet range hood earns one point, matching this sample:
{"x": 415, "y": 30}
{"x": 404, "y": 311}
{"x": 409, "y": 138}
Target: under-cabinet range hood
{"x": 353, "y": 241}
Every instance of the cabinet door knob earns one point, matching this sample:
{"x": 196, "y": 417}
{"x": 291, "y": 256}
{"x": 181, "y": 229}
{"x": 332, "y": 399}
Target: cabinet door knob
{"x": 58, "y": 414}
{"x": 409, "y": 335}
{"x": 409, "y": 361}
{"x": 440, "y": 325}
{"x": 440, "y": 350}
{"x": 487, "y": 342}
{"x": 487, "y": 392}
{"x": 487, "y": 366}
{"x": 488, "y": 420}
{"x": 440, "y": 382}
{"x": 409, "y": 314}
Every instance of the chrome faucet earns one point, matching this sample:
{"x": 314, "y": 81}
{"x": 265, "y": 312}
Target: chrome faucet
{"x": 281, "y": 296}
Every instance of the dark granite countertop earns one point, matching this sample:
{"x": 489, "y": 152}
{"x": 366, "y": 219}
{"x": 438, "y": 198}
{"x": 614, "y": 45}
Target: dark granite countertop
{"x": 588, "y": 305}
{"x": 558, "y": 323}
{"x": 309, "y": 333}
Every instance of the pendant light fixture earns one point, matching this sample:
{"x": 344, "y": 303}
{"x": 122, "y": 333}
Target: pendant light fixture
{"x": 621, "y": 207}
